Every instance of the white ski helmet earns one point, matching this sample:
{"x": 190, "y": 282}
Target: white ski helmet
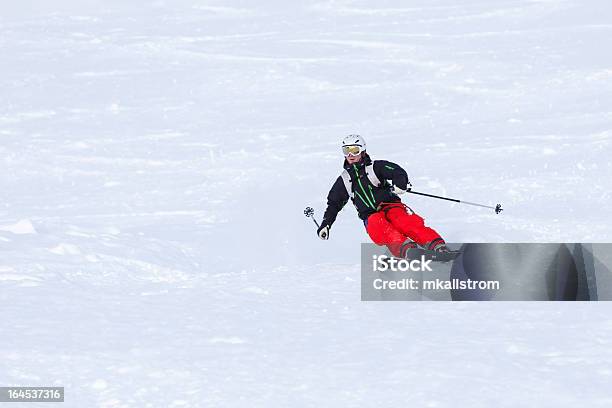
{"x": 353, "y": 140}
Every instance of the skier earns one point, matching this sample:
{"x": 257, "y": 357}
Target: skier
{"x": 387, "y": 220}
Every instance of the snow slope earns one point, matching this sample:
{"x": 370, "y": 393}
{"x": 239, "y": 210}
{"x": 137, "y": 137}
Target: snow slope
{"x": 157, "y": 156}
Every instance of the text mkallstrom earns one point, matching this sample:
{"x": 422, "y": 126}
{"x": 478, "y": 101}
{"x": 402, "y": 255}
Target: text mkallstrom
{"x": 436, "y": 284}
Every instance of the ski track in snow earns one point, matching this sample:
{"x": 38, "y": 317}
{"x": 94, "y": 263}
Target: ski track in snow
{"x": 157, "y": 157}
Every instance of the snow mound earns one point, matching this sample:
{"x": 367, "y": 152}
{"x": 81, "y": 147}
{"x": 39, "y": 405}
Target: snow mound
{"x": 21, "y": 227}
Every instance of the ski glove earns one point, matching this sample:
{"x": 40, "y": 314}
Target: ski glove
{"x": 399, "y": 191}
{"x": 323, "y": 231}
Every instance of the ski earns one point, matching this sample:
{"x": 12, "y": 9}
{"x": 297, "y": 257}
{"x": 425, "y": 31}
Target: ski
{"x": 436, "y": 256}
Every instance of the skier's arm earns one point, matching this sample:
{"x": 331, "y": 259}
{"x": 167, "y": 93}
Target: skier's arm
{"x": 390, "y": 171}
{"x": 336, "y": 200}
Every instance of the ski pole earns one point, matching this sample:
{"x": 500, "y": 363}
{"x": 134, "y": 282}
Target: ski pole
{"x": 498, "y": 208}
{"x": 309, "y": 212}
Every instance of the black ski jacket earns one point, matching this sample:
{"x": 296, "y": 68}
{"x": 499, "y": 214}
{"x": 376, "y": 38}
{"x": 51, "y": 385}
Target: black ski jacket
{"x": 367, "y": 197}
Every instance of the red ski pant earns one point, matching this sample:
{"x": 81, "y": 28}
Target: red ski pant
{"x": 395, "y": 224}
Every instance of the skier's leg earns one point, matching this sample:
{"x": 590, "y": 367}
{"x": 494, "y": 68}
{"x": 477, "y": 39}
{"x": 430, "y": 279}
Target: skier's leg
{"x": 382, "y": 232}
{"x": 413, "y": 226}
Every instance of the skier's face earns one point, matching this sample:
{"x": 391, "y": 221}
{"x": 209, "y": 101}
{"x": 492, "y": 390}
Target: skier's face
{"x": 354, "y": 159}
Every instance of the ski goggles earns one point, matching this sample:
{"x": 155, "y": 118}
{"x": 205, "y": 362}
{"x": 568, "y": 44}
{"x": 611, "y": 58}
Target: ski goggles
{"x": 352, "y": 150}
